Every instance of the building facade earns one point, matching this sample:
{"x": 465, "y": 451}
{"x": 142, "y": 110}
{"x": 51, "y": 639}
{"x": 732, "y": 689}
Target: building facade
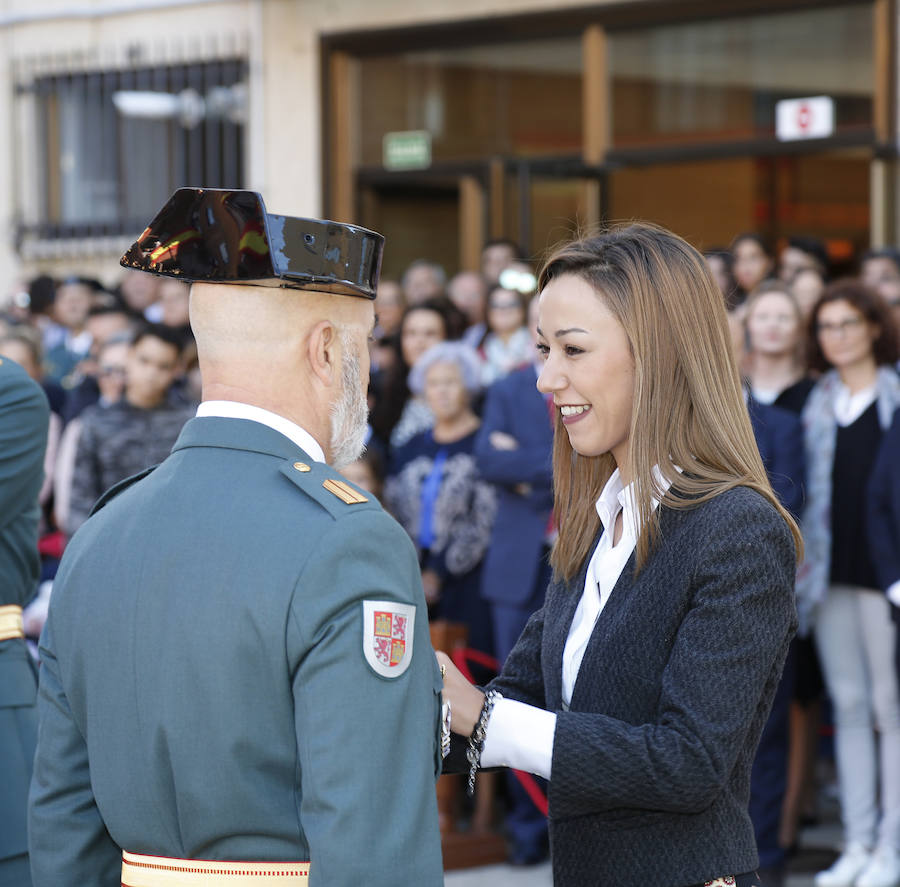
{"x": 445, "y": 123}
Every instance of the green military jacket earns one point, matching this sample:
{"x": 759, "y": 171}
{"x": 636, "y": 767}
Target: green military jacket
{"x": 237, "y": 665}
{"x": 24, "y": 415}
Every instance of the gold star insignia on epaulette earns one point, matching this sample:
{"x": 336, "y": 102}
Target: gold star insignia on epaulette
{"x": 344, "y": 492}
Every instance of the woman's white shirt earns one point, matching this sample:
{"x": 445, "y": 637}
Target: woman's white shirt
{"x": 765, "y": 395}
{"x": 849, "y": 407}
{"x": 521, "y": 736}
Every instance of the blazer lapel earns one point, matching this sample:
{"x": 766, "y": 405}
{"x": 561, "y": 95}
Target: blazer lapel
{"x": 649, "y": 590}
{"x": 595, "y": 652}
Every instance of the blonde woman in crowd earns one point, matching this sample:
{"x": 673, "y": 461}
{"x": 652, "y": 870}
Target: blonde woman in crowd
{"x": 776, "y": 336}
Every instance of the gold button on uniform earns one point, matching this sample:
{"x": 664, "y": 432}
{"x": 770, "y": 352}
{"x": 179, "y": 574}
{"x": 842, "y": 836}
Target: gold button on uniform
{"x": 302, "y": 466}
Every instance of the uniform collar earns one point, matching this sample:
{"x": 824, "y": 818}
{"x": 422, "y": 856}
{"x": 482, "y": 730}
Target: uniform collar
{"x": 230, "y": 409}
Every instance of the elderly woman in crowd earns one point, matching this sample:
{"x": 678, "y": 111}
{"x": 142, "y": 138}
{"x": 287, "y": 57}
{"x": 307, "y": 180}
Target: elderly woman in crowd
{"x": 434, "y": 490}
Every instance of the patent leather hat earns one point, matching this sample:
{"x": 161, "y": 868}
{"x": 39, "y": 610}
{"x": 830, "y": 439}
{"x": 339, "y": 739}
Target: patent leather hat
{"x": 224, "y": 236}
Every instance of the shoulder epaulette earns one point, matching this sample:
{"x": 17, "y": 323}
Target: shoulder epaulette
{"x": 322, "y": 483}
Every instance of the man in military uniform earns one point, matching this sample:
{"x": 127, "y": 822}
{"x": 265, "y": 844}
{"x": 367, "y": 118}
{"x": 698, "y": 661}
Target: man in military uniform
{"x": 24, "y": 416}
{"x": 237, "y": 680}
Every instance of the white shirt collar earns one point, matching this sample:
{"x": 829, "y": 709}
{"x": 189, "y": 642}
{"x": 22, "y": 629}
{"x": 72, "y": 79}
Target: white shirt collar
{"x": 615, "y": 496}
{"x": 611, "y": 500}
{"x": 849, "y": 407}
{"x": 232, "y": 409}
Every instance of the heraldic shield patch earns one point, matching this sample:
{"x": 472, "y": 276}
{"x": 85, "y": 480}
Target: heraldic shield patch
{"x": 388, "y": 636}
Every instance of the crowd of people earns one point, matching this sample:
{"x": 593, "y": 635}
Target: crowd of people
{"x": 459, "y": 450}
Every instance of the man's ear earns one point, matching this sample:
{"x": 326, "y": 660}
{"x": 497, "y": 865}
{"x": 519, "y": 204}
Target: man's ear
{"x": 322, "y": 352}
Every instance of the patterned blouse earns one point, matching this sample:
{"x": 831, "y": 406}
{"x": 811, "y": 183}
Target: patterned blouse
{"x": 435, "y": 492}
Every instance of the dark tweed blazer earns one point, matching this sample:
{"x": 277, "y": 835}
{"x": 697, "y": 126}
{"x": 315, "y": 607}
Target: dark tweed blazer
{"x": 650, "y": 776}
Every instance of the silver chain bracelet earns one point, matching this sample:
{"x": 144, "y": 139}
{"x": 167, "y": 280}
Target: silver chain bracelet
{"x": 445, "y": 729}
{"x": 476, "y": 740}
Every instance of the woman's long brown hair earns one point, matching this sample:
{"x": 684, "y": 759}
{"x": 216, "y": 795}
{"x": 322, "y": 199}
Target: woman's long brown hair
{"x": 689, "y": 408}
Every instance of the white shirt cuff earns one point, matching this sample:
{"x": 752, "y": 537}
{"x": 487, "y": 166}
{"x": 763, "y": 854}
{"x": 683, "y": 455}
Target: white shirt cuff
{"x": 519, "y": 736}
{"x": 893, "y": 595}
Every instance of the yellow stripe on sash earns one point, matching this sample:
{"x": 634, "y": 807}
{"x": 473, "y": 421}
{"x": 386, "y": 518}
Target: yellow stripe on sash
{"x": 164, "y": 871}
{"x": 11, "y": 625}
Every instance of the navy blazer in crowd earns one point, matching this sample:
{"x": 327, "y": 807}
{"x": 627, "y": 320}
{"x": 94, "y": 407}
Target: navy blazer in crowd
{"x": 779, "y": 437}
{"x": 884, "y": 508}
{"x": 650, "y": 774}
{"x": 515, "y": 407}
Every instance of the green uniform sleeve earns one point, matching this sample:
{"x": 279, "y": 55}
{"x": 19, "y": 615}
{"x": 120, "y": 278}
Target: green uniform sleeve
{"x": 366, "y": 743}
{"x": 68, "y": 842}
{"x": 23, "y": 440}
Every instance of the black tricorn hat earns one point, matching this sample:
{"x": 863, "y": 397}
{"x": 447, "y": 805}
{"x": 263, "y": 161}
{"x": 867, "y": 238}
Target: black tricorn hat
{"x": 224, "y": 236}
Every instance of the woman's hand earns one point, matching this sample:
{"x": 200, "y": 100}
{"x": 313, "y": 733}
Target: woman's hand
{"x": 465, "y": 699}
{"x": 500, "y": 440}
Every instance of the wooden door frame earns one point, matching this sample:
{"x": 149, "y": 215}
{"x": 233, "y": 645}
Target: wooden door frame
{"x": 484, "y": 185}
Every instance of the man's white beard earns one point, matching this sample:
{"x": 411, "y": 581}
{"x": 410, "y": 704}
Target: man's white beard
{"x": 349, "y": 415}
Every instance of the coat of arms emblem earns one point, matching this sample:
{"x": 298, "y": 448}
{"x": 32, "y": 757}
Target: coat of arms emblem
{"x": 388, "y": 636}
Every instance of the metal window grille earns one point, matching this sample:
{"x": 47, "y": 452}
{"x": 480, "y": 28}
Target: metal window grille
{"x": 88, "y": 170}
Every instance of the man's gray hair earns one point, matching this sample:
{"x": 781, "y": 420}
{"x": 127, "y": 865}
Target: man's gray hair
{"x": 440, "y": 275}
{"x": 459, "y": 354}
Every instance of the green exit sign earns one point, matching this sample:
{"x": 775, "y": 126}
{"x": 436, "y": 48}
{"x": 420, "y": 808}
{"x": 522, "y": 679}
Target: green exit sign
{"x": 407, "y": 150}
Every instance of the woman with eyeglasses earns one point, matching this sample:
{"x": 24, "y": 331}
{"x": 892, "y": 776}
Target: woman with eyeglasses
{"x": 853, "y": 341}
{"x": 507, "y": 344}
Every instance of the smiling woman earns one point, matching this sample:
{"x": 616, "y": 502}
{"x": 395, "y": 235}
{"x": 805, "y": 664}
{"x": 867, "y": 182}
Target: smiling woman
{"x": 639, "y": 690}
{"x": 589, "y": 372}
{"x": 678, "y": 391}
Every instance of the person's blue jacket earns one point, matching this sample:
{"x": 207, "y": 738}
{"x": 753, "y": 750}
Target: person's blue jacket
{"x": 884, "y": 509}
{"x": 523, "y": 477}
{"x": 779, "y": 437}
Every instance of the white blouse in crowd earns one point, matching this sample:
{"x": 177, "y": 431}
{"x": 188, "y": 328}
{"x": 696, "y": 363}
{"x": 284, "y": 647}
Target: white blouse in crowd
{"x": 521, "y": 736}
{"x": 232, "y": 409}
{"x": 849, "y": 407}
